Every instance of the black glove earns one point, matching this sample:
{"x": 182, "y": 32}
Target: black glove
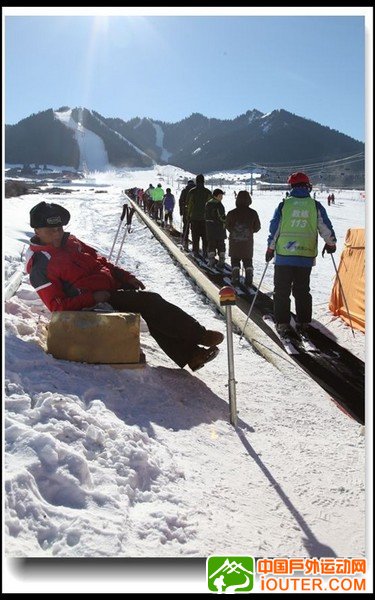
{"x": 270, "y": 254}
{"x": 129, "y": 217}
{"x": 136, "y": 283}
{"x": 329, "y": 249}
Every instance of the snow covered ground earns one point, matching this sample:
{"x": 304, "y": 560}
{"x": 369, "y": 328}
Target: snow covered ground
{"x": 143, "y": 463}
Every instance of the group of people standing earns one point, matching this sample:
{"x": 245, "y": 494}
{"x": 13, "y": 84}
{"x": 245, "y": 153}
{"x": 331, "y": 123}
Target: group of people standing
{"x": 155, "y": 202}
{"x": 204, "y": 213}
{"x": 292, "y": 240}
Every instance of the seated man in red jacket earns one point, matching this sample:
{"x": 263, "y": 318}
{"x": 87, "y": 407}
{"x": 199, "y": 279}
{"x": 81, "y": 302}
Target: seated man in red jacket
{"x": 69, "y": 275}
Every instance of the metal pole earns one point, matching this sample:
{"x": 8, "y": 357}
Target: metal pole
{"x": 129, "y": 216}
{"x": 228, "y": 298}
{"x": 343, "y": 295}
{"x": 121, "y": 245}
{"x": 124, "y": 211}
{"x": 253, "y": 302}
{"x": 231, "y": 378}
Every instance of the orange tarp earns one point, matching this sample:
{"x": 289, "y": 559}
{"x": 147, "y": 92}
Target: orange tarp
{"x": 351, "y": 272}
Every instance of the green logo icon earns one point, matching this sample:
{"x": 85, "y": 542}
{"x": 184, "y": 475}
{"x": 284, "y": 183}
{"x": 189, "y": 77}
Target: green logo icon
{"x": 229, "y": 574}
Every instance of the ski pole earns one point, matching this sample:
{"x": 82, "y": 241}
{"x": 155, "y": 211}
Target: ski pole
{"x": 253, "y": 302}
{"x": 121, "y": 245}
{"x": 129, "y": 217}
{"x": 227, "y": 298}
{"x": 124, "y": 211}
{"x": 343, "y": 295}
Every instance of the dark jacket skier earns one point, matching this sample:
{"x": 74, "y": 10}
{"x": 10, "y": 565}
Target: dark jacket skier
{"x": 242, "y": 222}
{"x": 184, "y": 214}
{"x": 215, "y": 228}
{"x": 197, "y": 199}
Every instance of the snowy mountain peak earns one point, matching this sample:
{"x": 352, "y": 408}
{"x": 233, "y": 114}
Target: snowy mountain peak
{"x": 275, "y": 137}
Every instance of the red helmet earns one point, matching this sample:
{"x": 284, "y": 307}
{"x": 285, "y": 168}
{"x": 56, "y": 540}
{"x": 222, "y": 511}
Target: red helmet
{"x": 298, "y": 178}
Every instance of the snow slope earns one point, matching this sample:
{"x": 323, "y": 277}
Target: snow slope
{"x": 93, "y": 155}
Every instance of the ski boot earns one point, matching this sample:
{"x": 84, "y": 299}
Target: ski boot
{"x": 235, "y": 276}
{"x": 285, "y": 330}
{"x": 249, "y": 277}
{"x": 221, "y": 261}
{"x": 211, "y": 259}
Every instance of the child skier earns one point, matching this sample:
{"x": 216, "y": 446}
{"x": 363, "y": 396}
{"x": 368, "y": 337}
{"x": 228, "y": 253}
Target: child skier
{"x": 168, "y": 203}
{"x": 242, "y": 222}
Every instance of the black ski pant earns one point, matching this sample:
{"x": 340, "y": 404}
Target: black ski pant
{"x": 198, "y": 230}
{"x": 295, "y": 280}
{"x": 214, "y": 245}
{"x": 168, "y": 216}
{"x": 158, "y": 210}
{"x": 236, "y": 262}
{"x": 176, "y": 332}
{"x": 185, "y": 229}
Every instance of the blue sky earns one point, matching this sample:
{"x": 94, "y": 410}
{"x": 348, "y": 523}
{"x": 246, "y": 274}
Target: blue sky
{"x": 167, "y": 67}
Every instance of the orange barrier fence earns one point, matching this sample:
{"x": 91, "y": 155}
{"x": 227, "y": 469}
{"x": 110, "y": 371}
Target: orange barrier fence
{"x": 351, "y": 271}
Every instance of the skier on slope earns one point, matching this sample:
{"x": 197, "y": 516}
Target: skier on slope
{"x": 197, "y": 199}
{"x": 293, "y": 236}
{"x": 184, "y": 214}
{"x": 242, "y": 222}
{"x": 147, "y": 199}
{"x": 215, "y": 228}
{"x": 157, "y": 195}
{"x": 168, "y": 204}
{"x": 69, "y": 275}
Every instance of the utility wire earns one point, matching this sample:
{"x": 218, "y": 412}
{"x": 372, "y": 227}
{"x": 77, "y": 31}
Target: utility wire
{"x": 287, "y": 167}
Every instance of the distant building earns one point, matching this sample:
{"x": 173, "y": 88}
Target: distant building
{"x": 267, "y": 186}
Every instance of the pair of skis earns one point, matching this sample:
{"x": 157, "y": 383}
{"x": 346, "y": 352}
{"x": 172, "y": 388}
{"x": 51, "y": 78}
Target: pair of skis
{"x": 294, "y": 342}
{"x": 201, "y": 262}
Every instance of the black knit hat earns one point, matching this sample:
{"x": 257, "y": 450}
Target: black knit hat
{"x": 48, "y": 215}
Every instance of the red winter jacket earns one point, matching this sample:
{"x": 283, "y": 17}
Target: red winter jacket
{"x": 66, "y": 277}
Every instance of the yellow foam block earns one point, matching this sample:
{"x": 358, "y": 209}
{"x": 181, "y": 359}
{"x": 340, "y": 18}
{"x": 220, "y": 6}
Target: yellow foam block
{"x": 93, "y": 337}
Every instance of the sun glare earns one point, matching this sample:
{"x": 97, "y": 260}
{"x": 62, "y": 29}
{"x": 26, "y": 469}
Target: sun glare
{"x": 101, "y": 24}
{"x": 96, "y": 45}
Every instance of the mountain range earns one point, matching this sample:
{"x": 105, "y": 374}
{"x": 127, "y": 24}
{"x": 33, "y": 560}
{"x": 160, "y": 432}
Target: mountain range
{"x": 280, "y": 141}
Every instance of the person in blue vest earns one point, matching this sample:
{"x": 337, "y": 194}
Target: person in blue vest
{"x": 293, "y": 241}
